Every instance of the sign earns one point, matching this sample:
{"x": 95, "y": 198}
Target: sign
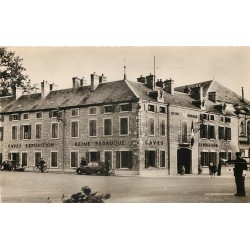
{"x": 208, "y": 145}
{"x": 154, "y": 142}
{"x": 32, "y": 145}
{"x": 100, "y": 143}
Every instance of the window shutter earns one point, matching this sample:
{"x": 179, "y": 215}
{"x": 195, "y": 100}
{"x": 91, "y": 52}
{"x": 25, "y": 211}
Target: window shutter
{"x": 156, "y": 158}
{"x": 146, "y": 158}
{"x": 1, "y": 118}
{"x": 113, "y": 108}
{"x": 117, "y": 159}
{"x": 18, "y": 116}
{"x": 29, "y": 133}
{"x": 10, "y": 117}
{"x": 50, "y": 114}
{"x": 1, "y": 133}
{"x": 130, "y": 106}
{"x": 98, "y": 156}
{"x": 101, "y": 109}
{"x": 21, "y": 132}
{"x": 87, "y": 157}
{"x": 130, "y": 159}
{"x": 9, "y": 156}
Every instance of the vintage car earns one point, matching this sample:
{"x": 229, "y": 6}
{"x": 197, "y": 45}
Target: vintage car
{"x": 93, "y": 167}
{"x": 11, "y": 166}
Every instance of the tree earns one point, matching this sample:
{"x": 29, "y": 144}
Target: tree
{"x": 12, "y": 73}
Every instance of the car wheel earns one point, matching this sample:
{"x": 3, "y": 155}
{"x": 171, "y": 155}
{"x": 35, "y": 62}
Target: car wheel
{"x": 13, "y": 168}
{"x": 79, "y": 171}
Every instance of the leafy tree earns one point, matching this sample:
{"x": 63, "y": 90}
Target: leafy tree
{"x": 12, "y": 73}
{"x": 86, "y": 196}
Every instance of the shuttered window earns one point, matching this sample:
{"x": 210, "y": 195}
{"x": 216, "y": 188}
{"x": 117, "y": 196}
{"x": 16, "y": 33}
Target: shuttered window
{"x": 228, "y": 134}
{"x": 107, "y": 126}
{"x": 54, "y": 130}
{"x": 38, "y": 131}
{"x": 25, "y": 132}
{"x": 124, "y": 126}
{"x": 92, "y": 128}
{"x": 74, "y": 129}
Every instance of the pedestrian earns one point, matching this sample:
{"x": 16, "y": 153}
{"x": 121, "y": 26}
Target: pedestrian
{"x": 219, "y": 167}
{"x": 182, "y": 170}
{"x": 212, "y": 169}
{"x": 200, "y": 169}
{"x": 240, "y": 165}
{"x": 107, "y": 166}
{"x": 42, "y": 164}
{"x": 83, "y": 161}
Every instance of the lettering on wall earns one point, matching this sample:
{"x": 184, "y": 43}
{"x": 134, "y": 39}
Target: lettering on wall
{"x": 208, "y": 145}
{"x": 154, "y": 142}
{"x": 100, "y": 143}
{"x": 32, "y": 145}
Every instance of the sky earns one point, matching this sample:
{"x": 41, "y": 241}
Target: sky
{"x": 229, "y": 65}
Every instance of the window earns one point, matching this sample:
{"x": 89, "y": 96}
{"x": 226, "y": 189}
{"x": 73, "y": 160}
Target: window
{"x": 227, "y": 119}
{"x": 228, "y": 134}
{"x": 126, "y": 107}
{"x": 162, "y": 127}
{"x": 108, "y": 109}
{"x": 151, "y": 108}
{"x": 150, "y": 158}
{"x": 124, "y": 159}
{"x": 24, "y": 159}
{"x": 14, "y": 133}
{"x": 26, "y": 116}
{"x": 38, "y": 131}
{"x": 222, "y": 155}
{"x": 92, "y": 128}
{"x": 162, "y": 110}
{"x": 151, "y": 126}
{"x": 75, "y": 112}
{"x": 25, "y": 132}
{"x": 107, "y": 126}
{"x": 1, "y": 133}
{"x": 1, "y": 118}
{"x": 39, "y": 115}
{"x": 184, "y": 132}
{"x": 203, "y": 116}
{"x": 162, "y": 159}
{"x": 221, "y": 133}
{"x": 211, "y": 117}
{"x": 203, "y": 131}
{"x": 242, "y": 128}
{"x": 54, "y": 130}
{"x": 38, "y": 156}
{"x": 92, "y": 110}
{"x": 54, "y": 114}
{"x": 208, "y": 157}
{"x": 74, "y": 159}
{"x": 93, "y": 156}
{"x": 124, "y": 128}
{"x": 108, "y": 156}
{"x": 54, "y": 159}
{"x": 74, "y": 129}
{"x": 211, "y": 132}
{"x": 15, "y": 117}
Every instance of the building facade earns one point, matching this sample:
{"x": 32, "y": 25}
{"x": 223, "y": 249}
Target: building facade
{"x": 143, "y": 127}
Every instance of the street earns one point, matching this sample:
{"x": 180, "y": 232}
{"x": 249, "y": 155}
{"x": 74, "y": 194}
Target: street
{"x": 30, "y": 187}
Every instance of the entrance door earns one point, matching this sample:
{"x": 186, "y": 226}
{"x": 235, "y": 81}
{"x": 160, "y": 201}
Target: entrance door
{"x": 184, "y": 157}
{"x": 15, "y": 157}
{"x": 150, "y": 158}
{"x": 108, "y": 156}
{"x": 38, "y": 156}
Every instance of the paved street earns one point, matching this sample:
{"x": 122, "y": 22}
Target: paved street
{"x": 37, "y": 187}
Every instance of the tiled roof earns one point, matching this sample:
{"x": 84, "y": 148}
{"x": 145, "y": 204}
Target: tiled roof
{"x": 205, "y": 86}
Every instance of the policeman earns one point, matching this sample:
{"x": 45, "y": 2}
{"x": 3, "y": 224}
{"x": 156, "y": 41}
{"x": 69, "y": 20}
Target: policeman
{"x": 239, "y": 165}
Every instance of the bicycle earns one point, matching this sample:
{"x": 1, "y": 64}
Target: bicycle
{"x": 37, "y": 169}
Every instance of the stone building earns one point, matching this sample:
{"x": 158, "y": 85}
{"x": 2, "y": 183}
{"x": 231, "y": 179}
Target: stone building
{"x": 142, "y": 127}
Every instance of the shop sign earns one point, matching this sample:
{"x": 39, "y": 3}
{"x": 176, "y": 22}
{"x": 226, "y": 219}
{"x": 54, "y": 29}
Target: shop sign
{"x": 154, "y": 142}
{"x": 32, "y": 145}
{"x": 208, "y": 145}
{"x": 100, "y": 143}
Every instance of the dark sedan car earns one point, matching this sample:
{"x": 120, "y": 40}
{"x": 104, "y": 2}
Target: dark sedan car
{"x": 11, "y": 166}
{"x": 93, "y": 167}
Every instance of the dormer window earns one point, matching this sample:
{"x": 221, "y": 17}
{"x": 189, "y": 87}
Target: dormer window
{"x": 75, "y": 112}
{"x": 227, "y": 119}
{"x": 15, "y": 117}
{"x": 26, "y": 116}
{"x": 151, "y": 108}
{"x": 162, "y": 110}
{"x": 125, "y": 107}
{"x": 108, "y": 109}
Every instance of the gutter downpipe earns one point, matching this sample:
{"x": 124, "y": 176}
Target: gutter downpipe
{"x": 168, "y": 138}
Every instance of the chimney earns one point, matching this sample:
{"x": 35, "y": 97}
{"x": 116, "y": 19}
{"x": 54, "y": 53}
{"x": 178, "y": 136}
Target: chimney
{"x": 17, "y": 92}
{"x": 102, "y": 79}
{"x": 75, "y": 83}
{"x": 168, "y": 86}
{"x": 94, "y": 81}
{"x": 242, "y": 92}
{"x": 159, "y": 83}
{"x": 83, "y": 82}
{"x": 141, "y": 79}
{"x": 150, "y": 81}
{"x": 45, "y": 89}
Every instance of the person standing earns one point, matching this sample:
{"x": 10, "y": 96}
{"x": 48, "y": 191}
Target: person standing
{"x": 42, "y": 164}
{"x": 240, "y": 164}
{"x": 212, "y": 169}
{"x": 219, "y": 167}
{"x": 83, "y": 161}
{"x": 107, "y": 166}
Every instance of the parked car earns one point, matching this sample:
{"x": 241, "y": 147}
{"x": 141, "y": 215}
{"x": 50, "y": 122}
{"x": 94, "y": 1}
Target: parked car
{"x": 93, "y": 167}
{"x": 11, "y": 166}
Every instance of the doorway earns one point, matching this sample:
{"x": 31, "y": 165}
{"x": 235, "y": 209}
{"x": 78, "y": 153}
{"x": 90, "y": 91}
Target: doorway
{"x": 184, "y": 157}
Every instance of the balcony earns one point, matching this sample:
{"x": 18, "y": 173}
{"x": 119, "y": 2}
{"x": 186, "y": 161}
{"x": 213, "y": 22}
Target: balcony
{"x": 244, "y": 139}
